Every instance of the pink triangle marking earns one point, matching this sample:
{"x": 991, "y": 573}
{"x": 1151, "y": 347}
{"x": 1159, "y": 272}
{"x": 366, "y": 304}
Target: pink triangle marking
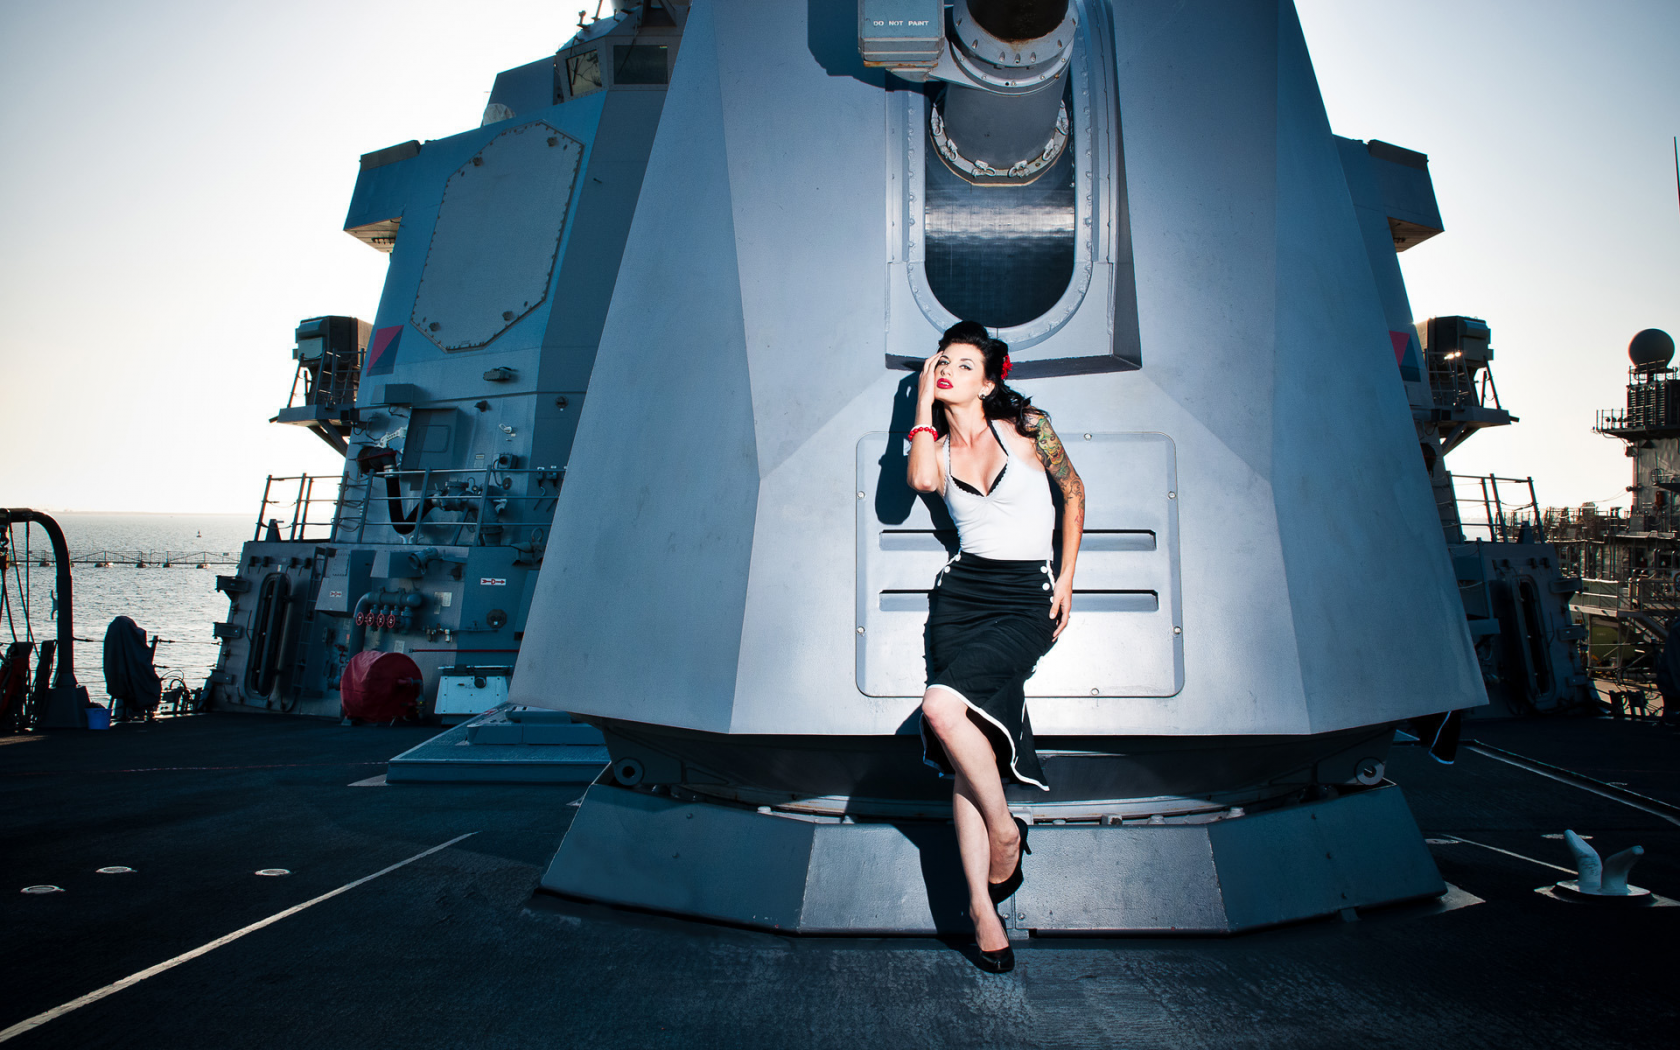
{"x": 382, "y": 342}
{"x": 1400, "y": 339}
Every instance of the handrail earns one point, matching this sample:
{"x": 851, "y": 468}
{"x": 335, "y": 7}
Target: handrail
{"x": 1502, "y": 521}
{"x": 64, "y": 677}
{"x": 333, "y": 379}
{"x": 480, "y": 493}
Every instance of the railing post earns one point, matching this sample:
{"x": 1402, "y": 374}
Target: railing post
{"x": 483, "y": 507}
{"x": 1487, "y": 508}
{"x": 256, "y": 533}
{"x": 420, "y": 504}
{"x": 367, "y": 501}
{"x": 337, "y": 513}
{"x": 1499, "y": 509}
{"x": 298, "y": 505}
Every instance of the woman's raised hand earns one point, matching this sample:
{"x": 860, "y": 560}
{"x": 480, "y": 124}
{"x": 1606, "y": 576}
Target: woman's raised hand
{"x": 930, "y": 382}
{"x": 924, "y": 471}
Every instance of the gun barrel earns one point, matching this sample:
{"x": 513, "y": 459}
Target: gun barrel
{"x": 1014, "y": 53}
{"x": 1018, "y": 20}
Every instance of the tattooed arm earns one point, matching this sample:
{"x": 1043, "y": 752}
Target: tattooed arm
{"x": 1064, "y": 477}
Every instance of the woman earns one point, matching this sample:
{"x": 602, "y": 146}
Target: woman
{"x": 996, "y": 607}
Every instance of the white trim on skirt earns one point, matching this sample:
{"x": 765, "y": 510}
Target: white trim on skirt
{"x": 1014, "y": 757}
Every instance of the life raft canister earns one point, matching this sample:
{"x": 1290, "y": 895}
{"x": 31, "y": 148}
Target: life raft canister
{"x": 380, "y": 687}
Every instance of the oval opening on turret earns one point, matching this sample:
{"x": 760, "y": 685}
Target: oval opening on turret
{"x": 999, "y": 254}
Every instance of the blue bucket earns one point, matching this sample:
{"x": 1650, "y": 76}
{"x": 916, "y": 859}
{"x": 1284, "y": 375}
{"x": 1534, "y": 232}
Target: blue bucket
{"x": 99, "y": 717}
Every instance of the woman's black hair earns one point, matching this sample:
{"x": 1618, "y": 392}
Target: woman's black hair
{"x": 1002, "y": 402}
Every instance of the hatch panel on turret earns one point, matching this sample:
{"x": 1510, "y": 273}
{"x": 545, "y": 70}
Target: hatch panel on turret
{"x": 497, "y": 235}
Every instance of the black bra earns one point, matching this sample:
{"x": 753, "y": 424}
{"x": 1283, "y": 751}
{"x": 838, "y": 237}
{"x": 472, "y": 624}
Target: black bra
{"x": 965, "y": 486}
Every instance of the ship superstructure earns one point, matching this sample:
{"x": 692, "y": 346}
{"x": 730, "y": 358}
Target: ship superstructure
{"x": 1514, "y": 584}
{"x": 455, "y": 407}
{"x": 1630, "y": 561}
{"x": 1514, "y": 593}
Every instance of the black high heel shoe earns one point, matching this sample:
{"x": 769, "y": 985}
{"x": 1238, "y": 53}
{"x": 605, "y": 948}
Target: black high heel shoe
{"x": 1002, "y": 891}
{"x": 1000, "y": 961}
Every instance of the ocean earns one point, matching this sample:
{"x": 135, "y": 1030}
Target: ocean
{"x": 175, "y": 604}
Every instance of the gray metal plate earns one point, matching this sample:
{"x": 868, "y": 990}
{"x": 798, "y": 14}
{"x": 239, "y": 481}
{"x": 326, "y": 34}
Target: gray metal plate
{"x": 497, "y": 234}
{"x": 1088, "y": 877}
{"x": 778, "y": 872}
{"x": 1122, "y": 639}
{"x": 452, "y": 757}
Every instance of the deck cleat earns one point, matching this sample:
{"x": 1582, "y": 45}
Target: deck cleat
{"x": 1601, "y": 880}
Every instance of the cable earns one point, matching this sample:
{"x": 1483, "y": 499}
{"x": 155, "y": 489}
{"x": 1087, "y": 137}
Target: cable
{"x": 28, "y": 580}
{"x": 28, "y": 628}
{"x": 6, "y": 603}
{"x": 175, "y": 692}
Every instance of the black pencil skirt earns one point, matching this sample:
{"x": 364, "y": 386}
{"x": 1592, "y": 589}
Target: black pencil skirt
{"x": 988, "y": 625}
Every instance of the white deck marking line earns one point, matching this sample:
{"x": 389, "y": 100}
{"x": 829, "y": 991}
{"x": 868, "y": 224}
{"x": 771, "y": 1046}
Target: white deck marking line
{"x": 1584, "y": 787}
{"x": 1508, "y": 853}
{"x": 152, "y": 971}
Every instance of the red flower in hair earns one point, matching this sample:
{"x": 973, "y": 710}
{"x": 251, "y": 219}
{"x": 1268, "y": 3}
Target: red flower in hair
{"x": 1006, "y": 366}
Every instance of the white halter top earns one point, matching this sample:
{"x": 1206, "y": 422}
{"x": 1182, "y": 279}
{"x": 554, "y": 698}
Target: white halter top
{"x": 1012, "y": 522}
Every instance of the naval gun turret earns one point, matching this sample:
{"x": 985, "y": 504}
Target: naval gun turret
{"x": 1263, "y": 594}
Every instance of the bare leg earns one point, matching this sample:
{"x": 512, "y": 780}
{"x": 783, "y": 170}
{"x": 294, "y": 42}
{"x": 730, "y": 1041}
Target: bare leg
{"x": 971, "y": 754}
{"x": 987, "y": 838}
{"x": 974, "y": 847}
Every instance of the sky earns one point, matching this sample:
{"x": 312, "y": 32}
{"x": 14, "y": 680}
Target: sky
{"x": 1549, "y": 128}
{"x": 176, "y": 177}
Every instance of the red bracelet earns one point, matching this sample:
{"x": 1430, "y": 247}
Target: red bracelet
{"x": 918, "y": 430}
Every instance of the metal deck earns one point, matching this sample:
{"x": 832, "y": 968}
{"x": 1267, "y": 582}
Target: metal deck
{"x": 457, "y": 948}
